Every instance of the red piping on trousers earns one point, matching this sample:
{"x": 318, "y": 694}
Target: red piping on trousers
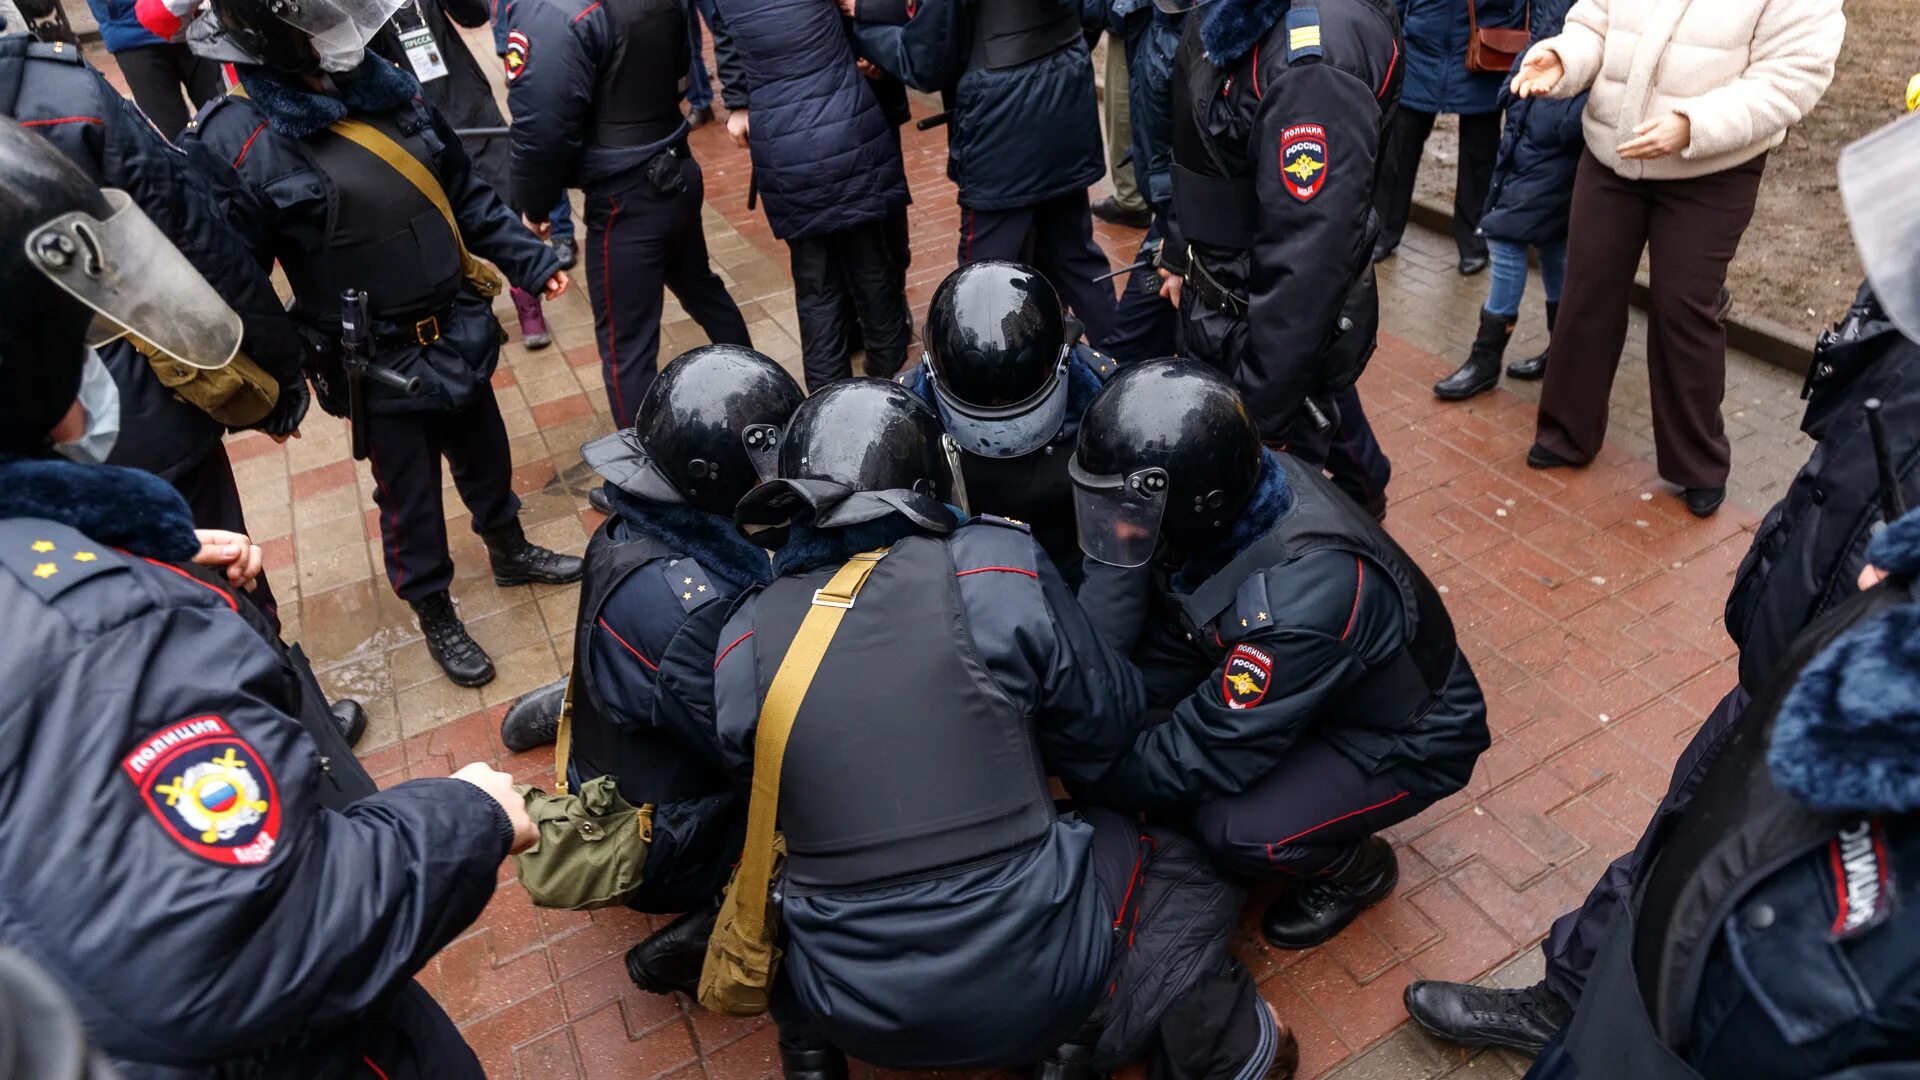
{"x": 1256, "y": 73}
{"x": 217, "y": 590}
{"x": 651, "y": 666}
{"x": 1391, "y": 65}
{"x": 1360, "y": 578}
{"x": 997, "y": 569}
{"x": 390, "y": 535}
{"x": 728, "y": 649}
{"x": 1332, "y": 821}
{"x": 606, "y": 288}
{"x": 377, "y": 1070}
{"x": 969, "y": 244}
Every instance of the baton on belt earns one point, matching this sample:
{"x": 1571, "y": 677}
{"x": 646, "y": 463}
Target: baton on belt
{"x": 356, "y": 360}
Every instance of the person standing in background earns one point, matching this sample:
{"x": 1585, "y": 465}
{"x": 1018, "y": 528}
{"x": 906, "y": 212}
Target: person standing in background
{"x": 560, "y": 235}
{"x": 157, "y": 70}
{"x": 700, "y": 89}
{"x": 1127, "y": 205}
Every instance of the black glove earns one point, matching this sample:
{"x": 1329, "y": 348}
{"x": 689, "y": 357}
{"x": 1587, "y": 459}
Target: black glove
{"x": 287, "y": 413}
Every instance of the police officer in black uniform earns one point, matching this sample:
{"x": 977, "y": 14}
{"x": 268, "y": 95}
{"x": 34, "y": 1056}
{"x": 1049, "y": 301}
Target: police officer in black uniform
{"x": 216, "y": 890}
{"x": 306, "y": 138}
{"x": 1316, "y": 692}
{"x": 1278, "y": 110}
{"x": 595, "y": 91}
{"x": 1009, "y": 388}
{"x": 663, "y": 571}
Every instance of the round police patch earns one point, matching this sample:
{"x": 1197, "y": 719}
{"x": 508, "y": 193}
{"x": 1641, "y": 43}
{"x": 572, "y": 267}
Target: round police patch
{"x": 209, "y": 789}
{"x": 1303, "y": 160}
{"x": 516, "y": 56}
{"x": 1248, "y": 673}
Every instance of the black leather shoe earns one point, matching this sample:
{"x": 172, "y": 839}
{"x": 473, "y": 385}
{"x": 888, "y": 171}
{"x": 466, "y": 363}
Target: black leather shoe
{"x": 670, "y": 959}
{"x": 448, "y": 642}
{"x": 566, "y": 249}
{"x": 1535, "y": 367}
{"x": 1072, "y": 1060}
{"x": 829, "y": 1064}
{"x": 1467, "y": 1015}
{"x": 597, "y": 498}
{"x": 534, "y": 719}
{"x": 1539, "y": 457}
{"x": 700, "y": 117}
{"x": 1473, "y": 264}
{"x": 518, "y": 561}
{"x": 1313, "y": 913}
{"x": 1704, "y": 502}
{"x": 1384, "y": 251}
{"x": 1110, "y": 211}
{"x": 352, "y": 718}
{"x": 1481, "y": 372}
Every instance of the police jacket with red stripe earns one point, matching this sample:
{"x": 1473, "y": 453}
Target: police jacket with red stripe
{"x": 167, "y": 857}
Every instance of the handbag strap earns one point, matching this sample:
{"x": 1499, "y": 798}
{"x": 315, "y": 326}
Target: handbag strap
{"x": 790, "y": 684}
{"x": 1473, "y": 19}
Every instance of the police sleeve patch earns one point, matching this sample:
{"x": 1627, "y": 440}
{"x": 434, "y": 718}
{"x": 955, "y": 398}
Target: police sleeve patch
{"x": 516, "y": 56}
{"x": 1303, "y": 160}
{"x": 1248, "y": 673}
{"x": 209, "y": 790}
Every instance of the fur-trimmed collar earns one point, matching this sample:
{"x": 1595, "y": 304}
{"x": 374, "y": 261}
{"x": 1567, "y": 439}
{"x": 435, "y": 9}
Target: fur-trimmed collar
{"x": 1847, "y": 736}
{"x": 377, "y": 87}
{"x": 809, "y": 548}
{"x": 1231, "y": 28}
{"x": 1272, "y": 497}
{"x": 710, "y": 539}
{"x": 124, "y": 507}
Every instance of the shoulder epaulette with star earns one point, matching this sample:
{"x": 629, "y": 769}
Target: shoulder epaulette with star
{"x": 50, "y": 558}
{"x": 689, "y": 583}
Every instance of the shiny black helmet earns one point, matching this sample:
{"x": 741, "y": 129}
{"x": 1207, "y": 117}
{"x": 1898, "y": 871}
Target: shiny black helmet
{"x": 298, "y": 37}
{"x": 708, "y": 430}
{"x": 997, "y": 355}
{"x": 857, "y": 450}
{"x": 1167, "y": 451}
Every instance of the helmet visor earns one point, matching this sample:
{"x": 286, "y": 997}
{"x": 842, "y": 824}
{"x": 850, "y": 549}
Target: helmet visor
{"x": 1177, "y": 7}
{"x": 1883, "y": 205}
{"x": 137, "y": 284}
{"x": 336, "y": 25}
{"x": 1119, "y": 516}
{"x": 1009, "y": 431}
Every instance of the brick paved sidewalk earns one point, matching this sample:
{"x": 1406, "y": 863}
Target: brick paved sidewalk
{"x": 1589, "y": 603}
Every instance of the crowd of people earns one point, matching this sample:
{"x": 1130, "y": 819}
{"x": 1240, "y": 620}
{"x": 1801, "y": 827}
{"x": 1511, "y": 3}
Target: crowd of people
{"x": 952, "y": 709}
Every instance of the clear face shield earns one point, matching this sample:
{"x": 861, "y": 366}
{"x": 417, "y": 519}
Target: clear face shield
{"x": 1012, "y": 430}
{"x": 137, "y": 284}
{"x": 1118, "y": 517}
{"x": 1877, "y": 184}
{"x": 337, "y": 27}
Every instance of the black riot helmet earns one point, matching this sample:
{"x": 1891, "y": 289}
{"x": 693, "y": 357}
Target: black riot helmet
{"x": 298, "y": 37}
{"x": 857, "y": 450}
{"x": 997, "y": 356}
{"x": 708, "y": 430}
{"x": 1167, "y": 451}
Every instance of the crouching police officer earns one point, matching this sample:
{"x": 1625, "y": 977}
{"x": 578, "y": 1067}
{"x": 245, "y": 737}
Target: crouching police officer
{"x": 353, "y": 182}
{"x": 662, "y": 573}
{"x": 209, "y": 911}
{"x": 1009, "y": 388}
{"x": 1331, "y": 700}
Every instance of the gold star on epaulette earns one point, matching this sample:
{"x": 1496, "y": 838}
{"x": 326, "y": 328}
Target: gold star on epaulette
{"x": 43, "y": 546}
{"x": 84, "y": 556}
{"x": 1263, "y": 615}
{"x": 686, "y": 581}
{"x": 45, "y": 570}
{"x": 1243, "y": 622}
{"x": 702, "y": 588}
{"x": 686, "y": 595}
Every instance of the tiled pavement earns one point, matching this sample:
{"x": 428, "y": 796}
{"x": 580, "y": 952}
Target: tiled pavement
{"x": 1589, "y": 603}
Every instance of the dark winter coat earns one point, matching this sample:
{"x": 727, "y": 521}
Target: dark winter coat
{"x": 825, "y": 158}
{"x": 119, "y": 29}
{"x": 463, "y": 95}
{"x": 1436, "y": 33}
{"x": 1532, "y": 192}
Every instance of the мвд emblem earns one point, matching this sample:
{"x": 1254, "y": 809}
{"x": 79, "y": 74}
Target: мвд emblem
{"x": 1303, "y": 160}
{"x": 1248, "y": 673}
{"x": 209, "y": 790}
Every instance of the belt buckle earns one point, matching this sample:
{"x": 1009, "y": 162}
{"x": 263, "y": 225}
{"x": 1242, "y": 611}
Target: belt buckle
{"x": 426, "y": 331}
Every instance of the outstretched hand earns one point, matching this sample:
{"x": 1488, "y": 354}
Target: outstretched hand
{"x": 1539, "y": 73}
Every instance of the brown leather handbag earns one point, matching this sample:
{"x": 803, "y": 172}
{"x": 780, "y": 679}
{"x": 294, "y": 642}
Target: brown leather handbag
{"x": 1494, "y": 49}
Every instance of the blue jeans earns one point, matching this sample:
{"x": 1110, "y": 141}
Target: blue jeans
{"x": 1508, "y": 282}
{"x": 562, "y": 217}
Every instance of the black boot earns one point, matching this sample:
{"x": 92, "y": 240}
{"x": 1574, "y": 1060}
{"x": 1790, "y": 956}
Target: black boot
{"x": 1072, "y": 1060}
{"x": 448, "y": 642}
{"x": 828, "y": 1064}
{"x": 671, "y": 957}
{"x": 1535, "y": 367}
{"x": 1315, "y": 912}
{"x": 517, "y": 561}
{"x": 1481, "y": 372}
{"x": 1469, "y": 1015}
{"x": 534, "y": 719}
{"x": 352, "y": 718}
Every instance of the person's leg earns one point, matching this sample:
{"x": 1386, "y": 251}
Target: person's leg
{"x": 820, "y": 306}
{"x": 1145, "y": 326}
{"x": 1507, "y": 286}
{"x": 884, "y": 321}
{"x": 689, "y": 273}
{"x": 1393, "y": 193}
{"x": 629, "y": 238}
{"x": 1553, "y": 269}
{"x": 996, "y": 234}
{"x": 1473, "y": 178}
{"x": 1355, "y": 461}
{"x": 214, "y": 500}
{"x": 155, "y": 86}
{"x": 1607, "y": 230}
{"x": 700, "y": 87}
{"x": 1694, "y": 233}
{"x": 1063, "y": 250}
{"x": 1119, "y": 127}
{"x": 404, "y": 454}
{"x": 478, "y": 454}
{"x": 805, "y": 1052}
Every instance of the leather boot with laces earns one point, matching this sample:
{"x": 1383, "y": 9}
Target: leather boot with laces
{"x": 670, "y": 958}
{"x": 1316, "y": 911}
{"x": 518, "y": 561}
{"x": 448, "y": 642}
{"x": 534, "y": 718}
{"x": 1468, "y": 1015}
{"x": 828, "y": 1064}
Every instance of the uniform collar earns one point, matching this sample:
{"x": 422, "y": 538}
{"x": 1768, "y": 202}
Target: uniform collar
{"x": 709, "y": 539}
{"x": 1231, "y": 28}
{"x": 377, "y": 87}
{"x": 126, "y": 508}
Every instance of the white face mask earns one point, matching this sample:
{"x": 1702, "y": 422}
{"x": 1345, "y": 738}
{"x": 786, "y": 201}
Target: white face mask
{"x": 339, "y": 61}
{"x": 100, "y": 400}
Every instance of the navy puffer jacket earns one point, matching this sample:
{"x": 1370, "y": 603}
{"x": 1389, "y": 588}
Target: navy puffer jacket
{"x": 1532, "y": 192}
{"x": 1436, "y": 34}
{"x": 824, "y": 156}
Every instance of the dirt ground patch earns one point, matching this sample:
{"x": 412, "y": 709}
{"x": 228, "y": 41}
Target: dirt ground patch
{"x": 1796, "y": 264}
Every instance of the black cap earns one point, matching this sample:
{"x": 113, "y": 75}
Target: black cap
{"x": 997, "y": 354}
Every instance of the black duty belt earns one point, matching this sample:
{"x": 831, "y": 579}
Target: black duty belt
{"x": 1220, "y": 211}
{"x": 400, "y": 331}
{"x": 1209, "y": 292}
{"x": 621, "y": 134}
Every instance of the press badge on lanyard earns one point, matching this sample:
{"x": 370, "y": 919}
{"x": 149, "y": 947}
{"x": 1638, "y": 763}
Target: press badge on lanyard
{"x": 422, "y": 51}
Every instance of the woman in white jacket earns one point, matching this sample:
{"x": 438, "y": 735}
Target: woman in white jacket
{"x": 1688, "y": 96}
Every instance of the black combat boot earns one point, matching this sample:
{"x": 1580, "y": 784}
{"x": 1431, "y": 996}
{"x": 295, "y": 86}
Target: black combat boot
{"x": 1535, "y": 367}
{"x": 827, "y": 1064}
{"x": 351, "y": 716}
{"x": 517, "y": 561}
{"x": 534, "y": 719}
{"x": 1071, "y": 1060}
{"x": 448, "y": 642}
{"x": 1470, "y": 1015}
{"x": 1316, "y": 911}
{"x": 671, "y": 957}
{"x": 1481, "y": 372}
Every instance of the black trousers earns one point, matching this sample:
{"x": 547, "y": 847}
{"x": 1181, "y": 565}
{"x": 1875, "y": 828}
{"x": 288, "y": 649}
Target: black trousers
{"x": 404, "y": 452}
{"x": 214, "y": 499}
{"x": 1400, "y": 165}
{"x": 156, "y": 73}
{"x": 1348, "y": 451}
{"x": 1056, "y": 238}
{"x": 847, "y": 283}
{"x": 640, "y": 242}
{"x": 1145, "y": 327}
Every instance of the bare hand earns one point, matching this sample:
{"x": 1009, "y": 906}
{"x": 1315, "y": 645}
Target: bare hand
{"x": 1657, "y": 138}
{"x": 849, "y": 8}
{"x": 1871, "y": 575}
{"x": 1539, "y": 73}
{"x": 556, "y": 285}
{"x": 1170, "y": 284}
{"x": 737, "y": 127}
{"x": 541, "y": 229}
{"x": 232, "y": 550}
{"x": 500, "y": 786}
{"x": 868, "y": 68}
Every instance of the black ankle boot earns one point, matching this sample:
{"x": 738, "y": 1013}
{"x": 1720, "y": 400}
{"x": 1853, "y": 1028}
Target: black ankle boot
{"x": 448, "y": 642}
{"x": 1481, "y": 372}
{"x": 1535, "y": 367}
{"x": 534, "y": 719}
{"x": 351, "y": 717}
{"x": 670, "y": 958}
{"x": 518, "y": 561}
{"x": 1071, "y": 1060}
{"x": 828, "y": 1064}
{"x": 1522, "y": 1020}
{"x": 1315, "y": 912}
